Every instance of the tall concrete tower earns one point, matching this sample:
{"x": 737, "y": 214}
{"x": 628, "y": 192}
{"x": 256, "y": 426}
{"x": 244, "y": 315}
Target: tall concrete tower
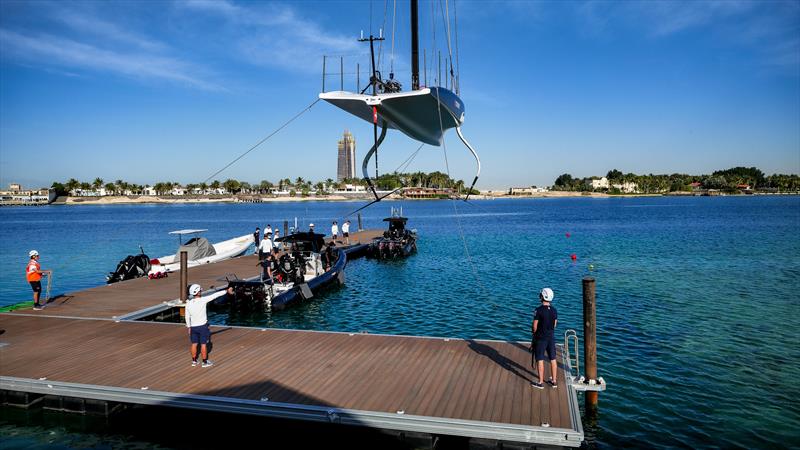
{"x": 347, "y": 157}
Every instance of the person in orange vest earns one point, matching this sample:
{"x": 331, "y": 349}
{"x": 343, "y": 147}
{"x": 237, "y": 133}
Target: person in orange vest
{"x": 34, "y": 274}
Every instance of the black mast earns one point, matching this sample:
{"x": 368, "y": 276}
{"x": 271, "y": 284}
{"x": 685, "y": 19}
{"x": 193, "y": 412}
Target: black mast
{"x": 414, "y": 46}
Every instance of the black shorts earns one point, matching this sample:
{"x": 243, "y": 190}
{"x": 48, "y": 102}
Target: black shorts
{"x": 542, "y": 346}
{"x": 36, "y": 286}
{"x": 346, "y": 234}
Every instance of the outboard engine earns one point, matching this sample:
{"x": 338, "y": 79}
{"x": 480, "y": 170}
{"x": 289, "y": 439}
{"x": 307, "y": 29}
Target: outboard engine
{"x": 133, "y": 266}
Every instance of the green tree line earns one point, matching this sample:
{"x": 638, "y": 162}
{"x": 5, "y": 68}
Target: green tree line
{"x": 299, "y": 185}
{"x": 727, "y": 180}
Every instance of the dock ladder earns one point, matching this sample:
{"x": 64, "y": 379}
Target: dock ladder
{"x": 572, "y": 357}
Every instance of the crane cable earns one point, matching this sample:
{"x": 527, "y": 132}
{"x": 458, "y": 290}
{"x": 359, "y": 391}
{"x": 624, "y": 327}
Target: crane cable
{"x": 457, "y": 214}
{"x": 303, "y": 111}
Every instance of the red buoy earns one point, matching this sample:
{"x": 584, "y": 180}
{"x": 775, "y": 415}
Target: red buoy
{"x": 568, "y": 235}
{"x": 574, "y": 257}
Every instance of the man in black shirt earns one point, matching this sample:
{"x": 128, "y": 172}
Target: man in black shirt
{"x": 545, "y": 319}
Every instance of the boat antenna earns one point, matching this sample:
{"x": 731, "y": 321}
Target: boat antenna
{"x": 414, "y": 45}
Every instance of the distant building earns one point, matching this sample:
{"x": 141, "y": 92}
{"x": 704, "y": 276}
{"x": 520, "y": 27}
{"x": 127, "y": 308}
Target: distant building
{"x": 601, "y": 183}
{"x": 17, "y": 195}
{"x": 627, "y": 187}
{"x": 347, "y": 155}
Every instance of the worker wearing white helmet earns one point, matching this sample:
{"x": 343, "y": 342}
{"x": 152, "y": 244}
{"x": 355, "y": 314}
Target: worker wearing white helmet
{"x": 545, "y": 319}
{"x": 34, "y": 274}
{"x": 197, "y": 321}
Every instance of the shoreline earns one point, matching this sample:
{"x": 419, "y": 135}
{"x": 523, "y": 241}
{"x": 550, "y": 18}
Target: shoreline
{"x": 125, "y": 200}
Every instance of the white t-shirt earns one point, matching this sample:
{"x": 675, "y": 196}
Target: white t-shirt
{"x": 265, "y": 246}
{"x": 196, "y": 309}
{"x": 345, "y": 227}
{"x": 267, "y": 230}
{"x": 334, "y": 230}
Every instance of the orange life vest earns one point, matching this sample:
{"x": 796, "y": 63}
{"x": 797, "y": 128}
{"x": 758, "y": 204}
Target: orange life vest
{"x": 32, "y": 272}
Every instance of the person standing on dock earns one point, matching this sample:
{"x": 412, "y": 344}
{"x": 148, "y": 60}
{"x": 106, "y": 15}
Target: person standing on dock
{"x": 257, "y": 240}
{"x": 334, "y": 231}
{"x": 197, "y": 321}
{"x": 34, "y": 274}
{"x": 266, "y": 247}
{"x": 545, "y": 320}
{"x": 346, "y": 232}
{"x": 268, "y": 230}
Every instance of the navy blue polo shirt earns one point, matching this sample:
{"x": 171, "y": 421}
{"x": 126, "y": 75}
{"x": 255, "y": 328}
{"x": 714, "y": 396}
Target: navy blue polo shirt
{"x": 547, "y": 316}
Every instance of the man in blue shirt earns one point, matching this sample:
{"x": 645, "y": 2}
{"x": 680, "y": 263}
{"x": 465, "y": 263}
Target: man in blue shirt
{"x": 545, "y": 319}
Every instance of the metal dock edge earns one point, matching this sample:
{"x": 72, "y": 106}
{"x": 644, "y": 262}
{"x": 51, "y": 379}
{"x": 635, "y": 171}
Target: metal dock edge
{"x": 400, "y": 422}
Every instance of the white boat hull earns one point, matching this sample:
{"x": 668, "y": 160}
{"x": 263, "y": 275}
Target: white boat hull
{"x": 224, "y": 250}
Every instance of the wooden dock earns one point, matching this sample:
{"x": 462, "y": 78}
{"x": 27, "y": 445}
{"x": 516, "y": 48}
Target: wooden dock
{"x": 82, "y": 347}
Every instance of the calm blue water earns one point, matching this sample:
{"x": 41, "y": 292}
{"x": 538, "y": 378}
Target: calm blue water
{"x": 697, "y": 297}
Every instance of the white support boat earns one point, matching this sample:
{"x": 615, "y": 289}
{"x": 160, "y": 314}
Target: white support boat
{"x": 200, "y": 251}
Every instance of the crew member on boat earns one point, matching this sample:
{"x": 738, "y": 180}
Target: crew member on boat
{"x": 257, "y": 240}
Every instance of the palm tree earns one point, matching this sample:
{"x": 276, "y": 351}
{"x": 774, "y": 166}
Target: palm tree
{"x": 215, "y": 185}
{"x": 72, "y": 184}
{"x": 97, "y": 183}
{"x": 110, "y": 189}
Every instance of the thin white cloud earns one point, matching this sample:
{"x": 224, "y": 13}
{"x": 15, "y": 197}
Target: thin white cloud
{"x": 274, "y": 35}
{"x": 87, "y": 23}
{"x": 48, "y": 50}
{"x": 770, "y": 28}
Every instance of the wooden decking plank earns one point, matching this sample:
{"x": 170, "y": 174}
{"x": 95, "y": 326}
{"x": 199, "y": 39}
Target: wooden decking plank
{"x": 388, "y": 397}
{"x": 368, "y": 365}
{"x": 429, "y": 405}
{"x": 341, "y": 386}
{"x": 335, "y": 349}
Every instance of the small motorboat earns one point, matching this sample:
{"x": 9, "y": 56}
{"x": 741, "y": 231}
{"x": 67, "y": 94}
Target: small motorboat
{"x": 199, "y": 251}
{"x": 396, "y": 242}
{"x": 305, "y": 267}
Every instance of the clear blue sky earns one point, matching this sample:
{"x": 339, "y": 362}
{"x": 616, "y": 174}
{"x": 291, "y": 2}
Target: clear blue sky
{"x": 155, "y": 91}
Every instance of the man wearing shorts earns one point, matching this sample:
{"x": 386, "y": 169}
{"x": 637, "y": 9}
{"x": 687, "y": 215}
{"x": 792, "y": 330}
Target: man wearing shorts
{"x": 34, "y": 274}
{"x": 197, "y": 321}
{"x": 545, "y": 319}
{"x": 346, "y": 232}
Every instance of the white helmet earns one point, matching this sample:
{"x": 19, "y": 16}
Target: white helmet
{"x": 546, "y": 295}
{"x": 33, "y": 253}
{"x": 194, "y": 289}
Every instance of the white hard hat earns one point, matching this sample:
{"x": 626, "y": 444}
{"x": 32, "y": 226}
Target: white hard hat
{"x": 546, "y": 295}
{"x": 194, "y": 289}
{"x": 33, "y": 253}
{"x": 311, "y": 224}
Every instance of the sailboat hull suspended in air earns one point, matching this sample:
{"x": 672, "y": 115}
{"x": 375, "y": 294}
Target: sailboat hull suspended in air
{"x": 423, "y": 115}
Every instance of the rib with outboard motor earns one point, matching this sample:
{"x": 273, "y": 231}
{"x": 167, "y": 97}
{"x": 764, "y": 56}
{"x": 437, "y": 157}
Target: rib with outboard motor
{"x": 301, "y": 271}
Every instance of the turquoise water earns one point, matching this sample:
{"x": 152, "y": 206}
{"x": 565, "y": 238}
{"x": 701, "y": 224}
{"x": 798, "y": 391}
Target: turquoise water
{"x": 697, "y": 297}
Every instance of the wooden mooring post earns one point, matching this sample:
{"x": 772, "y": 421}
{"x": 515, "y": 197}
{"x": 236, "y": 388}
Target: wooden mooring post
{"x": 360, "y": 228}
{"x": 184, "y": 294}
{"x": 590, "y": 340}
